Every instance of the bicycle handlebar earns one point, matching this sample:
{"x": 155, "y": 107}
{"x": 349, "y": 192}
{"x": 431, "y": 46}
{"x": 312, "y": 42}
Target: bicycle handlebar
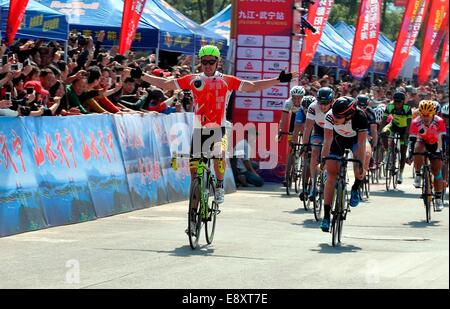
{"x": 342, "y": 159}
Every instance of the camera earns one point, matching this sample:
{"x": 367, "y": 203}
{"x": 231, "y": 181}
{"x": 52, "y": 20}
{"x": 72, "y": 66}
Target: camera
{"x": 4, "y": 59}
{"x": 8, "y": 96}
{"x": 24, "y": 110}
{"x": 30, "y": 90}
{"x": 14, "y": 67}
{"x": 118, "y": 79}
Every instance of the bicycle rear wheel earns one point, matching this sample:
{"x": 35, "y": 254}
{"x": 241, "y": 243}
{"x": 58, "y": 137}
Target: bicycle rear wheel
{"x": 213, "y": 210}
{"x": 194, "y": 227}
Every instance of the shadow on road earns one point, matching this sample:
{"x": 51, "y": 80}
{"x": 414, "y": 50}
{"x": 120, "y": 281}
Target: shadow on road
{"x": 422, "y": 224}
{"x": 185, "y": 251}
{"x": 396, "y": 194}
{"x": 309, "y": 224}
{"x": 329, "y": 249}
{"x": 300, "y": 210}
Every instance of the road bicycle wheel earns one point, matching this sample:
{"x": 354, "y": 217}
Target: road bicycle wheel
{"x": 194, "y": 228}
{"x": 305, "y": 181}
{"x": 427, "y": 194}
{"x": 298, "y": 174}
{"x": 389, "y": 170}
{"x": 337, "y": 223}
{"x": 396, "y": 169}
{"x": 213, "y": 210}
{"x": 318, "y": 200}
{"x": 289, "y": 179}
{"x": 367, "y": 186}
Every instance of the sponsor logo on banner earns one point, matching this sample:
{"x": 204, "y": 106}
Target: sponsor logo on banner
{"x": 296, "y": 46}
{"x": 274, "y": 104}
{"x": 249, "y": 53}
{"x": 248, "y": 94}
{"x": 249, "y": 65}
{"x": 275, "y": 66}
{"x": 260, "y": 116}
{"x": 250, "y": 40}
{"x": 249, "y": 76}
{"x": 276, "y": 54}
{"x": 248, "y": 103}
{"x": 277, "y": 41}
{"x": 276, "y": 92}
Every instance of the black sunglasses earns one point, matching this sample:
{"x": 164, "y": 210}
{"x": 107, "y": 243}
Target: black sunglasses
{"x": 210, "y": 62}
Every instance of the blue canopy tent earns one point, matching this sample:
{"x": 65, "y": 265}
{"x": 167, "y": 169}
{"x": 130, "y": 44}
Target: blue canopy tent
{"x": 172, "y": 36}
{"x": 202, "y": 35}
{"x": 91, "y": 16}
{"x": 348, "y": 33}
{"x": 220, "y": 23}
{"x": 39, "y": 22}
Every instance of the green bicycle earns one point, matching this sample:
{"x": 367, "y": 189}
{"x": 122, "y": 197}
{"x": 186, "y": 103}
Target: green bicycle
{"x": 203, "y": 208}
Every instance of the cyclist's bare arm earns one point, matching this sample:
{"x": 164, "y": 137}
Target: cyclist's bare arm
{"x": 361, "y": 152}
{"x": 308, "y": 128}
{"x": 160, "y": 82}
{"x": 284, "y": 116}
{"x": 327, "y": 139}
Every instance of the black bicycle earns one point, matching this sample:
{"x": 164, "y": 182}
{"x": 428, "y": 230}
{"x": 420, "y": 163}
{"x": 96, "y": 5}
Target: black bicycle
{"x": 294, "y": 171}
{"x": 427, "y": 184}
{"x": 393, "y": 161}
{"x": 341, "y": 203}
{"x": 313, "y": 187}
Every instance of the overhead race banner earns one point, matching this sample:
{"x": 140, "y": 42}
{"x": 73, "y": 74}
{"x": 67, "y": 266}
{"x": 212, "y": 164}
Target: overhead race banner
{"x": 132, "y": 11}
{"x": 409, "y": 30}
{"x": 366, "y": 37}
{"x": 443, "y": 73}
{"x": 15, "y": 17}
{"x": 434, "y": 32}
{"x": 317, "y": 16}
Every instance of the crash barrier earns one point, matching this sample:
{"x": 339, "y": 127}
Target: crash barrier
{"x": 63, "y": 170}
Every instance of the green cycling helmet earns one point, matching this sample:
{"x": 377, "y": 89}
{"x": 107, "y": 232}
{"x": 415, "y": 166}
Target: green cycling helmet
{"x": 209, "y": 50}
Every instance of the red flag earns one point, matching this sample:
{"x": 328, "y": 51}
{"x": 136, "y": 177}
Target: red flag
{"x": 444, "y": 61}
{"x": 317, "y": 16}
{"x": 366, "y": 37}
{"x": 411, "y": 23}
{"x": 132, "y": 10}
{"x": 15, "y": 16}
{"x": 437, "y": 20}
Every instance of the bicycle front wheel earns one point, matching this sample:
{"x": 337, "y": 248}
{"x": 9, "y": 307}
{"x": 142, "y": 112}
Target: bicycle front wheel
{"x": 194, "y": 215}
{"x": 318, "y": 199}
{"x": 337, "y": 221}
{"x": 389, "y": 169}
{"x": 427, "y": 193}
{"x": 213, "y": 210}
{"x": 298, "y": 174}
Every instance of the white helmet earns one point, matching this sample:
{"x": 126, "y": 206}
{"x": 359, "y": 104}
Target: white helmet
{"x": 298, "y": 91}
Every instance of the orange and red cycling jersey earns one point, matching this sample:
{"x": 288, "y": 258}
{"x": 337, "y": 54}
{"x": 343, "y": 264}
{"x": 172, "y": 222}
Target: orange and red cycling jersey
{"x": 210, "y": 96}
{"x": 429, "y": 134}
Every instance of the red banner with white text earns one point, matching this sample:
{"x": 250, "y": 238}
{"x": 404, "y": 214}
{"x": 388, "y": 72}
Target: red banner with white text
{"x": 434, "y": 33}
{"x": 443, "y": 73}
{"x": 409, "y": 30}
{"x": 366, "y": 37}
{"x": 15, "y": 16}
{"x": 132, "y": 11}
{"x": 317, "y": 16}
{"x": 263, "y": 50}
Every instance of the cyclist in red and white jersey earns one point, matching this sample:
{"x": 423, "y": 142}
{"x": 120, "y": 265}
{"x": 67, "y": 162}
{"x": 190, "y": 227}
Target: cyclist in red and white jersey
{"x": 211, "y": 91}
{"x": 427, "y": 132}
